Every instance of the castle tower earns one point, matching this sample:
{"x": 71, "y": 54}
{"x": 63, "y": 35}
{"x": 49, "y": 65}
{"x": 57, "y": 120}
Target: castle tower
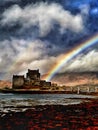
{"x": 33, "y": 75}
{"x": 18, "y": 81}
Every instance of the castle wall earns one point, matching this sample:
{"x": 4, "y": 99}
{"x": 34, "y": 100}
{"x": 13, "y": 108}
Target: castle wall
{"x": 44, "y": 84}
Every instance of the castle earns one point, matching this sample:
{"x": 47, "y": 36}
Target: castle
{"x": 32, "y": 81}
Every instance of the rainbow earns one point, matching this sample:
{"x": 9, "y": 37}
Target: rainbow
{"x": 71, "y": 54}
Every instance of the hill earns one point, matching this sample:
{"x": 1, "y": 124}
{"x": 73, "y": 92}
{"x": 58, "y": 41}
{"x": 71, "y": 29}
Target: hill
{"x": 75, "y": 78}
{"x": 4, "y": 83}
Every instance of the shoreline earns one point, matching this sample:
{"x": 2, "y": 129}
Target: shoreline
{"x": 24, "y": 91}
{"x": 71, "y": 117}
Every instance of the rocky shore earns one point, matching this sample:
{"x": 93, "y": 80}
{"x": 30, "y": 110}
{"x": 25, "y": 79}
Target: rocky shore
{"x": 82, "y": 116}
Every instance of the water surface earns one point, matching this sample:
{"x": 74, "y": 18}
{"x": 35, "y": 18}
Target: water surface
{"x": 21, "y": 102}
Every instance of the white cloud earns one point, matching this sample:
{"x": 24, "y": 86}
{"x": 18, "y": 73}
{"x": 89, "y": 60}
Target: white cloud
{"x": 42, "y": 15}
{"x": 88, "y": 62}
{"x": 19, "y": 55}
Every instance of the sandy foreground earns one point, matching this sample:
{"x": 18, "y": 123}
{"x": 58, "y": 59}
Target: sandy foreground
{"x": 82, "y": 116}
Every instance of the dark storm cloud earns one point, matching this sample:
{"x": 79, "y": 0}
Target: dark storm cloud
{"x": 37, "y": 33}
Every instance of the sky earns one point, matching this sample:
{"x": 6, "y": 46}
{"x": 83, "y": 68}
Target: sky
{"x": 35, "y": 34}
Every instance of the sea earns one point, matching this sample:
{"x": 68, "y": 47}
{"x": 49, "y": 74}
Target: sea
{"x": 21, "y": 102}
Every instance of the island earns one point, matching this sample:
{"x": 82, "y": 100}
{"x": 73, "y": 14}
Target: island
{"x": 31, "y": 83}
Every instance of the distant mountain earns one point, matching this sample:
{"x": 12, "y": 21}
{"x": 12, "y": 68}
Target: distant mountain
{"x": 75, "y": 78}
{"x": 5, "y": 84}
